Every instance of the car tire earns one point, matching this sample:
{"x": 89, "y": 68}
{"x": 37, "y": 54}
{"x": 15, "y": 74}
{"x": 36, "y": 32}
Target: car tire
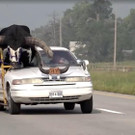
{"x": 87, "y": 105}
{"x": 1, "y": 108}
{"x": 13, "y": 108}
{"x": 69, "y": 106}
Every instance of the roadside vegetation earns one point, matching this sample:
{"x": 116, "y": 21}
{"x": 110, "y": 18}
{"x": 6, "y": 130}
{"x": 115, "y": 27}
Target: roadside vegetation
{"x": 114, "y": 81}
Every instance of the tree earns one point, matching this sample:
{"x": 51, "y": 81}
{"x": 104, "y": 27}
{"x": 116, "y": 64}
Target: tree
{"x": 102, "y": 9}
{"x": 68, "y": 29}
{"x": 50, "y": 32}
{"x": 83, "y": 25}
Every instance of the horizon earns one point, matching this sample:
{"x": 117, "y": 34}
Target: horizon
{"x": 37, "y": 14}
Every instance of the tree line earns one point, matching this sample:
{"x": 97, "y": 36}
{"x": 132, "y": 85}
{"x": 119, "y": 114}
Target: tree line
{"x": 92, "y": 23}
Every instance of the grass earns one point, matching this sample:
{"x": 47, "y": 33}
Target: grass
{"x": 114, "y": 81}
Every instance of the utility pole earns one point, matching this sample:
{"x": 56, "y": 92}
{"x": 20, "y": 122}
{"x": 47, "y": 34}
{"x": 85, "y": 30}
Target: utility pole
{"x": 115, "y": 42}
{"x": 60, "y": 32}
{"x": 54, "y": 28}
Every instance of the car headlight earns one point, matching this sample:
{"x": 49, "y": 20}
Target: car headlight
{"x": 27, "y": 81}
{"x": 78, "y": 79}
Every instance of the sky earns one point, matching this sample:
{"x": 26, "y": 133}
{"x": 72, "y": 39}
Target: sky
{"x": 122, "y": 8}
{"x": 32, "y": 14}
{"x": 36, "y": 14}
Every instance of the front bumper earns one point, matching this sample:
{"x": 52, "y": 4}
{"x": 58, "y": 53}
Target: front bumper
{"x": 40, "y": 94}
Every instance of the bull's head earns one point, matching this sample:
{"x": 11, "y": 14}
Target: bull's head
{"x": 14, "y": 56}
{"x": 14, "y": 51}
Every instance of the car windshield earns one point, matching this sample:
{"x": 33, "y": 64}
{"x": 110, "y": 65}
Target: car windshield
{"x": 60, "y": 57}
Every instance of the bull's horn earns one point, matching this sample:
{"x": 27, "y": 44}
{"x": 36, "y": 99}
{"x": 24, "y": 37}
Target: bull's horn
{"x": 64, "y": 69}
{"x": 2, "y": 39}
{"x": 46, "y": 69}
{"x": 40, "y": 43}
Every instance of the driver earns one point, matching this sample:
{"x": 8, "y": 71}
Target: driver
{"x": 58, "y": 60}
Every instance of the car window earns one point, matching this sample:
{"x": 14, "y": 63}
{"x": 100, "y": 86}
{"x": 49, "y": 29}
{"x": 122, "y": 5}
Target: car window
{"x": 34, "y": 62}
{"x": 59, "y": 57}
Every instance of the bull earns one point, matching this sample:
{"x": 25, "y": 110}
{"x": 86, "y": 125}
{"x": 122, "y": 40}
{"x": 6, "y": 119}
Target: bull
{"x": 20, "y": 47}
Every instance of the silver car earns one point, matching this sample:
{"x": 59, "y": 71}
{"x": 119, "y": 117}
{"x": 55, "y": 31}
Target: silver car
{"x": 31, "y": 86}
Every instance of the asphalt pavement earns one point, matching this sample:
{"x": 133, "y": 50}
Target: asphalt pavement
{"x": 113, "y": 114}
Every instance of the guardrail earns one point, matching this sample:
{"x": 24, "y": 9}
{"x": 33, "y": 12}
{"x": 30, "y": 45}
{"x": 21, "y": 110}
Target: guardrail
{"x": 111, "y": 68}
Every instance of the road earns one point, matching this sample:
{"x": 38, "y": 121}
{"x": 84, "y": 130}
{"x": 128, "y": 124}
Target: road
{"x": 113, "y": 114}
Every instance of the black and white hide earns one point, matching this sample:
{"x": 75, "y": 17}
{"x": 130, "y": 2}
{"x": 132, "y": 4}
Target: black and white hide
{"x": 19, "y": 58}
{"x": 19, "y": 46}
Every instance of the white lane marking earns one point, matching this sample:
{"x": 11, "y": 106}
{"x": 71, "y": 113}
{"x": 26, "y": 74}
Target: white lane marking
{"x": 110, "y": 111}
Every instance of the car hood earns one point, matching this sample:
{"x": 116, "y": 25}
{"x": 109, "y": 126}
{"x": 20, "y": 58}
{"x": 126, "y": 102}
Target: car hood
{"x": 36, "y": 73}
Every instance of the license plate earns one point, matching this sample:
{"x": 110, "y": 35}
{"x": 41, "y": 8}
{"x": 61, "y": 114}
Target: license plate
{"x": 55, "y": 94}
{"x": 54, "y": 71}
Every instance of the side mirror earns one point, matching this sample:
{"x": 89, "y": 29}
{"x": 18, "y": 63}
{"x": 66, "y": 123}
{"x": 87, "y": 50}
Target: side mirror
{"x": 83, "y": 63}
{"x": 86, "y": 62}
{"x": 79, "y": 62}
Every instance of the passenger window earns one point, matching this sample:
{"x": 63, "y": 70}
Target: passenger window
{"x": 34, "y": 62}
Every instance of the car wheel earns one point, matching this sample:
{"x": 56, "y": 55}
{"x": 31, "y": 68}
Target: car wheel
{"x": 1, "y": 108}
{"x": 87, "y": 105}
{"x": 69, "y": 106}
{"x": 13, "y": 108}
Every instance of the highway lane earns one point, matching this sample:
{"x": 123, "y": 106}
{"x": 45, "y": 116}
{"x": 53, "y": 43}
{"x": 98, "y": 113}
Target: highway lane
{"x": 113, "y": 114}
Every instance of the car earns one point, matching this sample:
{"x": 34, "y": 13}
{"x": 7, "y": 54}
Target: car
{"x": 31, "y": 86}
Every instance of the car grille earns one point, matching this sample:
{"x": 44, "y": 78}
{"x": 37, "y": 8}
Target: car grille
{"x": 41, "y": 99}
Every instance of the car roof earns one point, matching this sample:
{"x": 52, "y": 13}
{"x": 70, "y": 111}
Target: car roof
{"x": 54, "y": 48}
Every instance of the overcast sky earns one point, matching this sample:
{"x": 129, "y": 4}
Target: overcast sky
{"x": 36, "y": 14}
